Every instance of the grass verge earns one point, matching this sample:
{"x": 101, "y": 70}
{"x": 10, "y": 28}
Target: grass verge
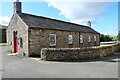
{"x": 3, "y": 44}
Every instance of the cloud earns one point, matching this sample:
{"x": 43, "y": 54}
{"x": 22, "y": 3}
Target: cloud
{"x": 64, "y": 0}
{"x": 4, "y": 20}
{"x": 79, "y": 12}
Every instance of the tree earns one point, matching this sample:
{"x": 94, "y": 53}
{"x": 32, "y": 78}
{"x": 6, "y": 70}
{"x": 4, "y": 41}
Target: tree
{"x": 118, "y": 36}
{"x": 105, "y": 38}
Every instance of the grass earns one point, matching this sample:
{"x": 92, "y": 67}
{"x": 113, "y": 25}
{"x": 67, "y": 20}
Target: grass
{"x": 3, "y": 44}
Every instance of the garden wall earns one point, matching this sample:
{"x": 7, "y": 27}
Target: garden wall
{"x": 76, "y": 54}
{"x": 107, "y": 43}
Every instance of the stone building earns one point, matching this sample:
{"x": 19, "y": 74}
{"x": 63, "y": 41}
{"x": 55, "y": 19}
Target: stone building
{"x": 28, "y": 33}
{"x": 3, "y": 33}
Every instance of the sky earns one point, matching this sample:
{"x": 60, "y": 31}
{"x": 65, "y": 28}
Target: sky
{"x": 103, "y": 15}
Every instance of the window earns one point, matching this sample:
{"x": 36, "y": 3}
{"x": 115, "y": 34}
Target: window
{"x": 20, "y": 42}
{"x": 81, "y": 38}
{"x": 15, "y": 33}
{"x": 52, "y": 39}
{"x": 70, "y": 39}
{"x": 89, "y": 39}
{"x": 95, "y": 38}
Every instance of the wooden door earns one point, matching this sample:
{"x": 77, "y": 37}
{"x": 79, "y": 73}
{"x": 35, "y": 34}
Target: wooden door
{"x": 15, "y": 33}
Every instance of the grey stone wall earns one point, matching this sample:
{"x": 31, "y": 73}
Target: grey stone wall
{"x": 39, "y": 38}
{"x": 76, "y": 54}
{"x": 16, "y": 24}
{"x": 108, "y": 43}
{"x": 92, "y": 42}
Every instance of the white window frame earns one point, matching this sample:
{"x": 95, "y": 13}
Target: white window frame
{"x": 53, "y": 35}
{"x": 81, "y": 38}
{"x": 95, "y": 38}
{"x": 89, "y": 38}
{"x": 70, "y": 39}
{"x": 20, "y": 42}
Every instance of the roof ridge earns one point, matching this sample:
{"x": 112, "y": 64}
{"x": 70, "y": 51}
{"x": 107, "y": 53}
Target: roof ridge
{"x": 56, "y": 20}
{"x": 35, "y": 21}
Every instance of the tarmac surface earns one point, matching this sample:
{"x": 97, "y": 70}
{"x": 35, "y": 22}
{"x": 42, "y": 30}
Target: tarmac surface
{"x": 21, "y": 67}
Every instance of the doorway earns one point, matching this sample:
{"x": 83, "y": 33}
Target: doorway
{"x": 15, "y": 38}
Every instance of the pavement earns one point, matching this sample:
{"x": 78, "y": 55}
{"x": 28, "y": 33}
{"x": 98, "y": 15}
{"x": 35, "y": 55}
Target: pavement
{"x": 22, "y": 67}
{"x": 0, "y": 63}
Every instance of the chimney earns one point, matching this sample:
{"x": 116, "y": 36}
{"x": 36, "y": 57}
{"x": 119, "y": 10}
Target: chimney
{"x": 89, "y": 24}
{"x": 17, "y": 7}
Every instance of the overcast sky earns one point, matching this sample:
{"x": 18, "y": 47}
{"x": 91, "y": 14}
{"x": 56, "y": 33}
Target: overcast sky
{"x": 103, "y": 15}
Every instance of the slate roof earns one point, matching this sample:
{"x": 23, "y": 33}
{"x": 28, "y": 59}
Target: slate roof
{"x": 41, "y": 22}
{"x": 3, "y": 27}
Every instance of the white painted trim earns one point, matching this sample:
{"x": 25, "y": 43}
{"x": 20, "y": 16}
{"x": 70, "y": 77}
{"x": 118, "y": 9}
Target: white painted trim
{"x": 95, "y": 38}
{"x": 70, "y": 39}
{"x": 81, "y": 38}
{"x": 89, "y": 38}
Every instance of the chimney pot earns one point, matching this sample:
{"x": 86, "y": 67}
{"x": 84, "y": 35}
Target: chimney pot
{"x": 89, "y": 24}
{"x": 17, "y": 0}
{"x": 17, "y": 7}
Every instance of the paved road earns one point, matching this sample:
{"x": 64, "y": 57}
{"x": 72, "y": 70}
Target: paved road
{"x": 17, "y": 67}
{"x": 0, "y": 63}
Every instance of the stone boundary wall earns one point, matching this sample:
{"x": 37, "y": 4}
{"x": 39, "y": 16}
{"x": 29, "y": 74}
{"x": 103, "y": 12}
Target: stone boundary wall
{"x": 77, "y": 54}
{"x": 107, "y": 43}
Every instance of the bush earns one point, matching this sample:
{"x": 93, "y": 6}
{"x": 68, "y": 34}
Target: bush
{"x": 118, "y": 36}
{"x": 105, "y": 38}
